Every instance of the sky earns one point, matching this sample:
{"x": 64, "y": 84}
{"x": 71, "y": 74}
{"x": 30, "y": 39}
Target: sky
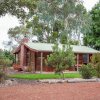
{"x": 9, "y": 21}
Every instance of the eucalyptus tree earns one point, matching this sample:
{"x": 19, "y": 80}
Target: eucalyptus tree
{"x": 17, "y": 7}
{"x": 92, "y": 37}
{"x": 50, "y": 20}
{"x": 57, "y": 20}
{"x": 42, "y": 21}
{"x": 74, "y": 19}
{"x": 18, "y": 33}
{"x": 81, "y": 22}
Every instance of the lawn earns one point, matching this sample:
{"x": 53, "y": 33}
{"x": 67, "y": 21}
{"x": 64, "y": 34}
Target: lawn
{"x": 44, "y": 76}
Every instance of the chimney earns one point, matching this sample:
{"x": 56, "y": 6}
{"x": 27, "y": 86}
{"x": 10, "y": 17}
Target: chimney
{"x": 25, "y": 40}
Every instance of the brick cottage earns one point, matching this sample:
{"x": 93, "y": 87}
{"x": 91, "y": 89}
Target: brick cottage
{"x": 29, "y": 54}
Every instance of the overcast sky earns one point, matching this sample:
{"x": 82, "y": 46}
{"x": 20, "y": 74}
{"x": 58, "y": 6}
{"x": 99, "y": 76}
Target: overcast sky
{"x": 9, "y": 21}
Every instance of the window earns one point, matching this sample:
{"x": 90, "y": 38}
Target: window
{"x": 85, "y": 58}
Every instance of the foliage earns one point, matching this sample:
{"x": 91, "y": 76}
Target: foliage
{"x": 87, "y": 71}
{"x": 95, "y": 58}
{"x": 9, "y": 55}
{"x": 54, "y": 20}
{"x": 92, "y": 36}
{"x": 44, "y": 76}
{"x": 96, "y": 63}
{"x": 50, "y": 21}
{"x": 17, "y": 7}
{"x": 18, "y": 33}
{"x": 5, "y": 59}
{"x": 98, "y": 70}
{"x": 61, "y": 58}
{"x": 2, "y": 77}
{"x": 20, "y": 9}
{"x": 74, "y": 42}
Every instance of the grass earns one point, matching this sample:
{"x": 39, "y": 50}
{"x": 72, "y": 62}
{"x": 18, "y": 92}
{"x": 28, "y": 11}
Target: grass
{"x": 44, "y": 76}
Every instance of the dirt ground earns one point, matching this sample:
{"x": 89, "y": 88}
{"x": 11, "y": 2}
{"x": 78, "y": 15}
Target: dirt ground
{"x": 58, "y": 91}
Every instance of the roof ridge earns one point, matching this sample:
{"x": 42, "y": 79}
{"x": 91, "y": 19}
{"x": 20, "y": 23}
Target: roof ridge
{"x": 48, "y": 47}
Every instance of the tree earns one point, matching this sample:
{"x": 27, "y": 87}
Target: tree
{"x": 61, "y": 58}
{"x": 92, "y": 37}
{"x": 19, "y": 8}
{"x": 18, "y": 33}
{"x": 50, "y": 20}
{"x": 57, "y": 19}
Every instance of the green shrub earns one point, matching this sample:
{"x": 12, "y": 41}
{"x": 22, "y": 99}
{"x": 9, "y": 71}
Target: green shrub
{"x": 87, "y": 71}
{"x": 98, "y": 70}
{"x": 95, "y": 58}
{"x": 61, "y": 59}
{"x": 96, "y": 63}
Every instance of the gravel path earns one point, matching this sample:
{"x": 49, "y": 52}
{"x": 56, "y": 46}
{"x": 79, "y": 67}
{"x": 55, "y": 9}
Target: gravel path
{"x": 58, "y": 91}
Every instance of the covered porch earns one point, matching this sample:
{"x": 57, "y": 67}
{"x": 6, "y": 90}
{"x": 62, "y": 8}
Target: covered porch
{"x": 27, "y": 59}
{"x": 32, "y": 56}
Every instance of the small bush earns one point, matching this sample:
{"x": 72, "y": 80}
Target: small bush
{"x": 87, "y": 71}
{"x": 96, "y": 63}
{"x": 2, "y": 77}
{"x": 29, "y": 69}
{"x": 98, "y": 70}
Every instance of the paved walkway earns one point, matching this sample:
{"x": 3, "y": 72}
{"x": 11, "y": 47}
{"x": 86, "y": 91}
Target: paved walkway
{"x": 58, "y": 91}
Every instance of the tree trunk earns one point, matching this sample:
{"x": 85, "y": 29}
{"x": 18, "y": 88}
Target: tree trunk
{"x": 62, "y": 75}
